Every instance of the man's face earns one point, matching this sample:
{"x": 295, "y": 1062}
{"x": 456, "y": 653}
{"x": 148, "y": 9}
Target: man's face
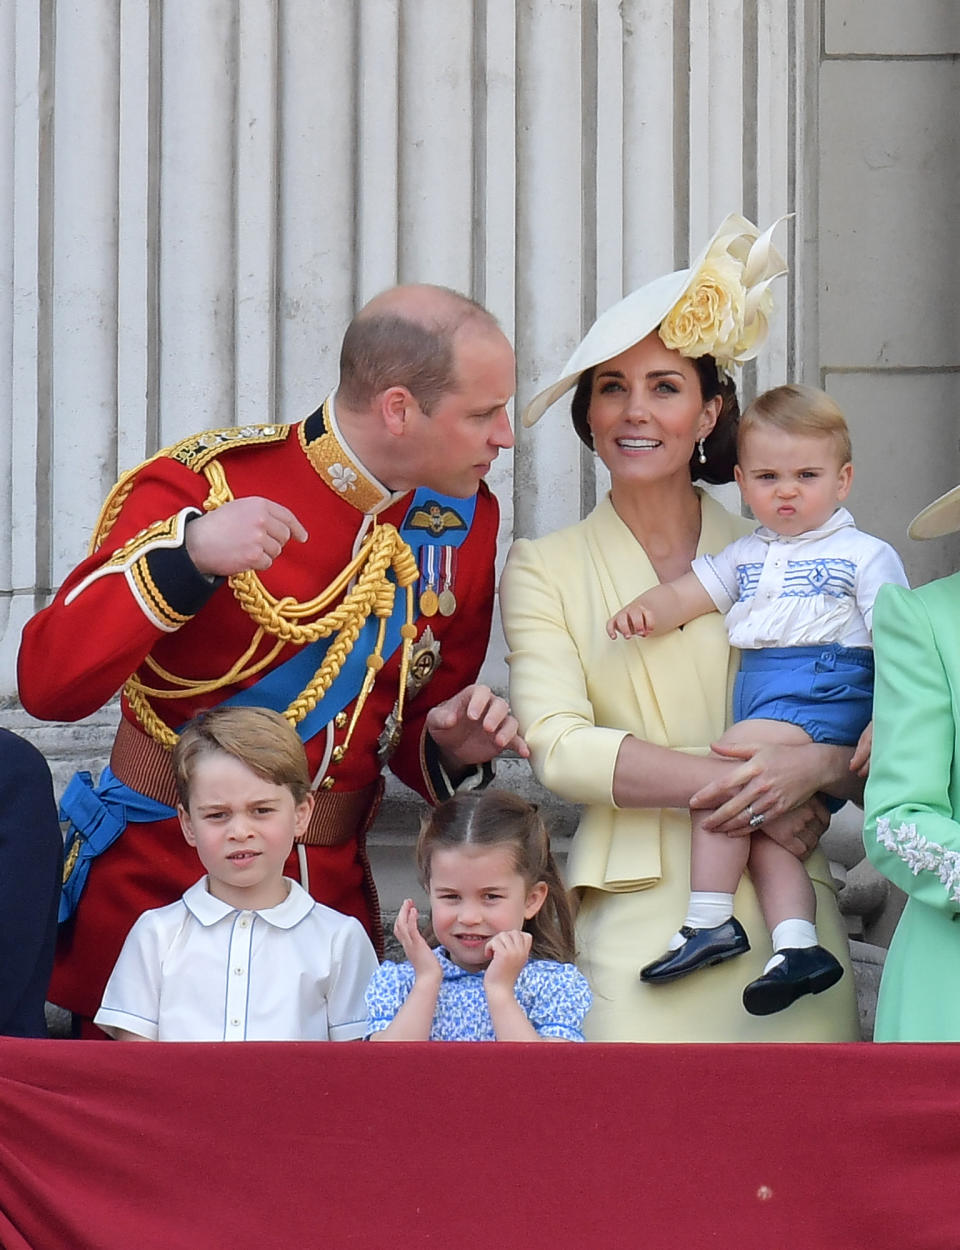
{"x": 466, "y": 429}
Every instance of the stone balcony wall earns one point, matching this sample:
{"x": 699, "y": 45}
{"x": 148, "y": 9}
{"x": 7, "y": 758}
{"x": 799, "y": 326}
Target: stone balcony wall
{"x": 869, "y": 903}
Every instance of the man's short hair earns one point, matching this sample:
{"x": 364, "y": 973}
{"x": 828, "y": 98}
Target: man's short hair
{"x": 384, "y": 349}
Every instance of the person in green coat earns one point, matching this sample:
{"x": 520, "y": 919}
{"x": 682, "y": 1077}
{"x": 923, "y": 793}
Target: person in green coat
{"x": 912, "y": 802}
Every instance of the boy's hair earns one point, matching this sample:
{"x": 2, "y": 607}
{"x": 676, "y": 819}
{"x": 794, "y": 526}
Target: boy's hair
{"x": 259, "y": 738}
{"x": 498, "y": 818}
{"x": 797, "y": 409}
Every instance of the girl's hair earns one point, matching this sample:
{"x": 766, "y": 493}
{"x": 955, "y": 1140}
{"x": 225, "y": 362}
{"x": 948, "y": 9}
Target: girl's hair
{"x": 259, "y": 738}
{"x": 498, "y": 818}
{"x": 797, "y": 409}
{"x": 720, "y": 445}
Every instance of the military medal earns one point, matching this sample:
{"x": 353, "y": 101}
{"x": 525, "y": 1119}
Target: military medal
{"x": 447, "y": 600}
{"x": 429, "y": 601}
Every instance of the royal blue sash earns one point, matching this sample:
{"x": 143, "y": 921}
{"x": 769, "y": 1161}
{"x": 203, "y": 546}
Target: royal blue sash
{"x": 278, "y": 688}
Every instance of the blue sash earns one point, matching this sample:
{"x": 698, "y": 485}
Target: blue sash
{"x": 97, "y": 816}
{"x": 278, "y": 688}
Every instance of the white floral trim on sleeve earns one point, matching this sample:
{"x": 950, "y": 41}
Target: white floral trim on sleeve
{"x": 919, "y": 854}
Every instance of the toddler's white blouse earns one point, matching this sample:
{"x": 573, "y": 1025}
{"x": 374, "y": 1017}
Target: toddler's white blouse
{"x": 813, "y": 588}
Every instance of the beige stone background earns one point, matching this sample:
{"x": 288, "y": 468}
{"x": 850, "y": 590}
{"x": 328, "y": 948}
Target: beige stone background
{"x": 195, "y": 198}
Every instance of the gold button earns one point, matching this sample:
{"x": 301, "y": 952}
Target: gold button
{"x": 338, "y": 754}
{"x": 327, "y": 783}
{"x": 340, "y": 720}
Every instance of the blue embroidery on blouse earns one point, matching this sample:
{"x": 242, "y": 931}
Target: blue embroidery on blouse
{"x": 827, "y": 575}
{"x": 748, "y": 576}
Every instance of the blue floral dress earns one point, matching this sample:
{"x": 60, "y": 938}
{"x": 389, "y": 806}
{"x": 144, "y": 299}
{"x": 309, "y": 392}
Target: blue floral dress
{"x": 554, "y": 996}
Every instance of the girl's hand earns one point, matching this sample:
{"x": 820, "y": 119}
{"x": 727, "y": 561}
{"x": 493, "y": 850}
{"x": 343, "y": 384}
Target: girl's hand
{"x": 407, "y": 932}
{"x": 509, "y": 952}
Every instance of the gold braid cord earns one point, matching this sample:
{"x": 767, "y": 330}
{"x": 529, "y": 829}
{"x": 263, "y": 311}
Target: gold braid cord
{"x": 290, "y": 622}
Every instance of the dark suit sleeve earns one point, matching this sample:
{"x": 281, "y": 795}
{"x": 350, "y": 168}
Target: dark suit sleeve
{"x": 31, "y": 855}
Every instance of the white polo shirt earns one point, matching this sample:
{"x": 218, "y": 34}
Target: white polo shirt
{"x": 198, "y": 970}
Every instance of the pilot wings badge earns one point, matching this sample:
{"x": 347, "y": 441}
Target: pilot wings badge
{"x": 435, "y": 518}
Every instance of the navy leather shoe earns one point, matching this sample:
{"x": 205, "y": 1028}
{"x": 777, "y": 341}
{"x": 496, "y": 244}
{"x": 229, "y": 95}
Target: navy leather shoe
{"x": 804, "y": 970}
{"x": 702, "y": 948}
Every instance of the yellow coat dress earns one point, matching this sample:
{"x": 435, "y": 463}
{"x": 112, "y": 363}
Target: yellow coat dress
{"x": 577, "y": 694}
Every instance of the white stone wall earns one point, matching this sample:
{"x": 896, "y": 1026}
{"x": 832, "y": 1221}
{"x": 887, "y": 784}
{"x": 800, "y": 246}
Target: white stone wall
{"x": 194, "y": 199}
{"x": 888, "y": 176}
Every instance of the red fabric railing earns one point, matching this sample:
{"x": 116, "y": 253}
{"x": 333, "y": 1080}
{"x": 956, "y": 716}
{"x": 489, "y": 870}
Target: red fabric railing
{"x": 109, "y": 1146}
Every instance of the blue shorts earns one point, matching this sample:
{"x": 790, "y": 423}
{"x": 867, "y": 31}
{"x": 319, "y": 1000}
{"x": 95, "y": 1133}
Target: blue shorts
{"x": 826, "y": 690}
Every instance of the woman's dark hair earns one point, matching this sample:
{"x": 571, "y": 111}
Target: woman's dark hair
{"x": 720, "y": 445}
{"x": 499, "y": 818}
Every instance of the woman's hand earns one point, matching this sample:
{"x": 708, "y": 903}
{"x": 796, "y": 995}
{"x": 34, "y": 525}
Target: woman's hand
{"x": 771, "y": 781}
{"x": 798, "y": 831}
{"x": 509, "y": 952}
{"x": 860, "y": 764}
{"x": 407, "y": 932}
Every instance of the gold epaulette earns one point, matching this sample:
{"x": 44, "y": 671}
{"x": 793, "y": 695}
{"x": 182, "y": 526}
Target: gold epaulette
{"x": 200, "y": 449}
{"x": 194, "y": 453}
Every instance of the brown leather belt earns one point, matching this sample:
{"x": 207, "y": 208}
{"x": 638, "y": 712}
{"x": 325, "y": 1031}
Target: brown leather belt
{"x": 338, "y": 815}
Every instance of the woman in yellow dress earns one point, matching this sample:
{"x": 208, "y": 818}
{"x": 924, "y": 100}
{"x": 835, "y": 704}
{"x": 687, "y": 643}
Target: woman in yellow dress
{"x": 624, "y": 728}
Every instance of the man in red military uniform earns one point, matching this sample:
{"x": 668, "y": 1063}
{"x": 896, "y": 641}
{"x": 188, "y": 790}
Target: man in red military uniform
{"x": 340, "y": 570}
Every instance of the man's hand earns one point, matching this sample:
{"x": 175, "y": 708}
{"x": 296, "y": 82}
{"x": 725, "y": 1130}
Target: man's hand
{"x": 241, "y": 535}
{"x": 473, "y": 727}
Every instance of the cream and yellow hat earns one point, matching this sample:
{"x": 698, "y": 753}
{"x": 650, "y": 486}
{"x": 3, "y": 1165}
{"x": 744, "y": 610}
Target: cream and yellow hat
{"x": 938, "y": 518}
{"x": 719, "y": 307}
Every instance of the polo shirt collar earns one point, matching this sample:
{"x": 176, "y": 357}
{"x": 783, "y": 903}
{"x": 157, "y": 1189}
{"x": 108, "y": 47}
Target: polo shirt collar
{"x": 209, "y": 910}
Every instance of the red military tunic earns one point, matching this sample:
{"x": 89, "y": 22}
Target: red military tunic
{"x": 137, "y": 598}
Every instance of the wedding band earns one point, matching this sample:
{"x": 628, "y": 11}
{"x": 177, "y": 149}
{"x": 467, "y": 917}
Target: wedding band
{"x": 756, "y": 819}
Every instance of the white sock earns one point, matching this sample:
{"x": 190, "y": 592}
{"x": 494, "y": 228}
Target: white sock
{"x": 790, "y": 934}
{"x": 705, "y": 910}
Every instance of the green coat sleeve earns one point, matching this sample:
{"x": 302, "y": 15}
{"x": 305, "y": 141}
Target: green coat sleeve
{"x": 911, "y": 830}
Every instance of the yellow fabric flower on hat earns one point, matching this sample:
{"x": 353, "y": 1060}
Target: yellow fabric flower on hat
{"x": 708, "y": 318}
{"x": 725, "y": 310}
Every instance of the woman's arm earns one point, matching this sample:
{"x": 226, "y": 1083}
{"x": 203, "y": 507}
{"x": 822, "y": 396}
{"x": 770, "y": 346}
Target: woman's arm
{"x": 572, "y": 755}
{"x": 592, "y": 764}
{"x": 911, "y": 831}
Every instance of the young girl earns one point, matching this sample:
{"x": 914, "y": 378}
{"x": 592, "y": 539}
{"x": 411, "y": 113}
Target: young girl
{"x": 503, "y": 970}
{"x": 798, "y": 596}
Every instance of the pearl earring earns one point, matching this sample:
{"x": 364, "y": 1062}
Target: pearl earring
{"x": 702, "y": 454}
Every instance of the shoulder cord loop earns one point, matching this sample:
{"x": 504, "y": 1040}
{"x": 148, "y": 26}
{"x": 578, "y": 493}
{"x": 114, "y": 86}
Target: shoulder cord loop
{"x": 372, "y": 593}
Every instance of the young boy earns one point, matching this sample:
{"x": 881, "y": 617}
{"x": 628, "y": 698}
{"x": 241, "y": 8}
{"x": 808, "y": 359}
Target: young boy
{"x": 246, "y": 954}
